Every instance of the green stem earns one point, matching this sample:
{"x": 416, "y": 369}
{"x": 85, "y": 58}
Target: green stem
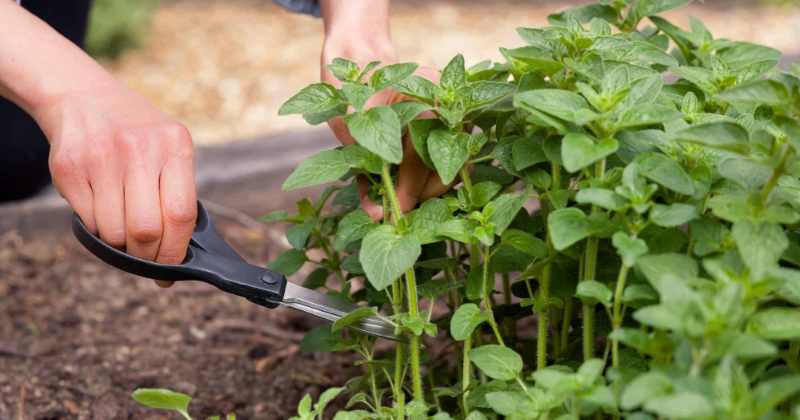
{"x": 589, "y": 273}
{"x": 397, "y": 303}
{"x": 568, "y": 309}
{"x": 486, "y": 302}
{"x": 541, "y": 338}
{"x": 466, "y": 374}
{"x": 374, "y": 388}
{"x": 433, "y": 385}
{"x": 773, "y": 180}
{"x": 387, "y": 184}
{"x": 692, "y": 238}
{"x": 510, "y": 323}
{"x": 616, "y": 322}
{"x": 466, "y": 179}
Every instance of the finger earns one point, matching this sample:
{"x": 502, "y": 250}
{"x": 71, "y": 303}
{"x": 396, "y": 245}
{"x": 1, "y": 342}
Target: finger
{"x": 341, "y": 131}
{"x": 142, "y": 210}
{"x": 434, "y": 187}
{"x": 412, "y": 175}
{"x": 373, "y": 209}
{"x": 178, "y": 207}
{"x": 106, "y": 180}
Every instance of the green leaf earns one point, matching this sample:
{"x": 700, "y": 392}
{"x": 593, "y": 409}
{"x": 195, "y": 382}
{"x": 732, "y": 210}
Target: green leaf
{"x": 647, "y": 114}
{"x": 418, "y": 88}
{"x": 681, "y": 406}
{"x": 665, "y": 171}
{"x": 644, "y": 52}
{"x": 449, "y": 153}
{"x": 760, "y": 246}
{"x": 769, "y": 394}
{"x": 325, "y": 166}
{"x": 602, "y": 197}
{"x": 630, "y": 249}
{"x": 460, "y": 230}
{"x": 390, "y": 75}
{"x": 584, "y": 14}
{"x": 298, "y": 235}
{"x": 559, "y": 103}
{"x": 315, "y": 98}
{"x": 385, "y": 255}
{"x": 288, "y": 262}
{"x": 317, "y": 278}
{"x": 477, "y": 397}
{"x": 646, "y": 8}
{"x": 420, "y": 131}
{"x": 721, "y": 135}
{"x": 503, "y": 209}
{"x": 644, "y": 388}
{"x": 568, "y": 226}
{"x": 163, "y": 398}
{"x": 512, "y": 405}
{"x": 354, "y": 226}
{"x": 454, "y": 74}
{"x": 378, "y": 130}
{"x": 465, "y": 320}
{"x": 320, "y": 339}
{"x": 673, "y": 215}
{"x": 742, "y": 53}
{"x": 580, "y": 150}
{"x": 427, "y": 218}
{"x": 667, "y": 268}
{"x": 357, "y": 95}
{"x": 593, "y": 292}
{"x": 497, "y": 362}
{"x": 326, "y": 397}
{"x": 703, "y": 78}
{"x": 483, "y": 192}
{"x": 486, "y": 92}
{"x": 775, "y": 324}
{"x": 528, "y": 152}
{"x": 525, "y": 242}
{"x": 408, "y": 110}
{"x": 434, "y": 288}
{"x": 768, "y": 92}
{"x": 353, "y": 317}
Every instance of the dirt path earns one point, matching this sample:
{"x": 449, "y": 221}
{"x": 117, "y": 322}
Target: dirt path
{"x": 77, "y": 337}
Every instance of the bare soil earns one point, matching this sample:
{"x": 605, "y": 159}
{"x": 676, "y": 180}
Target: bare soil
{"x": 77, "y": 337}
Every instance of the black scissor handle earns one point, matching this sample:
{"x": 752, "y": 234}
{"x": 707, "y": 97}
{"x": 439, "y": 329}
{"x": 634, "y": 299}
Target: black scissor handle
{"x": 208, "y": 259}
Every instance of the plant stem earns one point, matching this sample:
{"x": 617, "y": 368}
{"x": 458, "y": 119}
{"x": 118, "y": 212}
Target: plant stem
{"x": 466, "y": 179}
{"x": 466, "y": 374}
{"x": 773, "y": 180}
{"x": 616, "y": 322}
{"x": 433, "y": 385}
{"x": 374, "y": 388}
{"x": 541, "y": 338}
{"x": 692, "y": 238}
{"x": 568, "y": 309}
{"x": 486, "y": 301}
{"x": 588, "y": 274}
{"x": 511, "y": 323}
{"x": 387, "y": 184}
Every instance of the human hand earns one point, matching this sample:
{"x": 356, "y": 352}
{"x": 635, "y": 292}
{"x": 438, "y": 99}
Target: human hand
{"x": 415, "y": 181}
{"x": 125, "y": 168}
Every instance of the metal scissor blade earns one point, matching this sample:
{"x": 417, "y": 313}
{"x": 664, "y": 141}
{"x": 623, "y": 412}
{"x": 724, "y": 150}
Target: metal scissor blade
{"x": 331, "y": 308}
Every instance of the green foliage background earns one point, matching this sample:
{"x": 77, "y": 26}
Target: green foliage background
{"x": 117, "y": 25}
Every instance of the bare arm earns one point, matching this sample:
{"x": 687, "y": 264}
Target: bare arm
{"x": 123, "y": 166}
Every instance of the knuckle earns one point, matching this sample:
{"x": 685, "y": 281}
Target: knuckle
{"x": 180, "y": 139}
{"x": 171, "y": 255}
{"x": 146, "y": 230}
{"x": 114, "y": 238}
{"x": 100, "y": 152}
{"x": 182, "y": 211}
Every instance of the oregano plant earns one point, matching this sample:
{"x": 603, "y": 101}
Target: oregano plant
{"x": 622, "y": 241}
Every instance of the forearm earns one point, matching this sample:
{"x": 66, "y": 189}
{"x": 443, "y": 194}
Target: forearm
{"x": 38, "y": 66}
{"x": 357, "y": 30}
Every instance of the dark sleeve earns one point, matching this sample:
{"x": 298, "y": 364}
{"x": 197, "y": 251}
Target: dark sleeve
{"x": 310, "y": 7}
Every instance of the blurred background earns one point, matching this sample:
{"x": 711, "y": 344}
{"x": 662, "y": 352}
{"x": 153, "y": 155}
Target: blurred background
{"x": 223, "y": 68}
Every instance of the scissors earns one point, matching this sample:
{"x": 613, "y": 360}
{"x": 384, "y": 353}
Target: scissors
{"x": 211, "y": 260}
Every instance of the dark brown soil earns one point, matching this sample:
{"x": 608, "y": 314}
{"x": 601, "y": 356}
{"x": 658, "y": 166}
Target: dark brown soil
{"x": 77, "y": 337}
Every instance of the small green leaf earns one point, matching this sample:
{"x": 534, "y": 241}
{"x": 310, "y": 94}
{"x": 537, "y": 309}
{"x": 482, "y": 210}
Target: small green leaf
{"x": 408, "y": 110}
{"x": 298, "y": 235}
{"x": 390, "y": 75}
{"x": 769, "y": 92}
{"x": 768, "y": 394}
{"x": 682, "y": 406}
{"x": 418, "y": 88}
{"x": 483, "y": 192}
{"x": 667, "y": 268}
{"x": 559, "y": 103}
{"x": 528, "y": 152}
{"x": 525, "y": 242}
{"x": 353, "y": 317}
{"x": 357, "y": 95}
{"x": 628, "y": 248}
{"x": 420, "y": 130}
{"x": 460, "y": 230}
{"x": 325, "y": 166}
{"x": 454, "y": 74}
{"x": 776, "y": 324}
{"x": 354, "y": 226}
{"x": 720, "y": 135}
{"x": 477, "y": 397}
{"x": 568, "y": 226}
{"x": 427, "y": 218}
{"x": 503, "y": 209}
{"x": 385, "y": 255}
{"x": 497, "y": 362}
{"x": 602, "y": 197}
{"x": 644, "y": 388}
{"x": 288, "y": 262}
{"x": 449, "y": 153}
{"x": 465, "y": 320}
{"x": 315, "y": 98}
{"x": 320, "y": 339}
{"x": 580, "y": 150}
{"x": 647, "y": 114}
{"x": 378, "y": 130}
{"x": 673, "y": 215}
{"x": 760, "y": 246}
{"x": 665, "y": 171}
{"x": 593, "y": 292}
{"x": 646, "y": 8}
{"x": 162, "y": 398}
{"x": 512, "y": 405}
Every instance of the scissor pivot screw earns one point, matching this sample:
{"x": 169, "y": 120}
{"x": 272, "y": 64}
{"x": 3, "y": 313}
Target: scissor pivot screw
{"x": 268, "y": 278}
